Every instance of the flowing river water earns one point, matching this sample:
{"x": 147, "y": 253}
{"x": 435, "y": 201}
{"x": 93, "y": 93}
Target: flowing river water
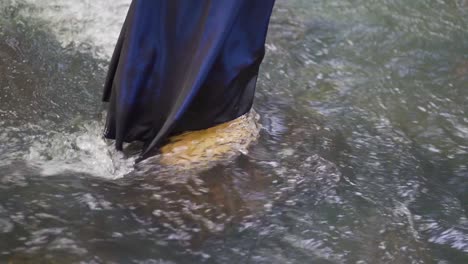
{"x": 362, "y": 158}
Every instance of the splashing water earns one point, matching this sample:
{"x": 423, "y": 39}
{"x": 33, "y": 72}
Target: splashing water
{"x": 56, "y": 150}
{"x": 84, "y": 151}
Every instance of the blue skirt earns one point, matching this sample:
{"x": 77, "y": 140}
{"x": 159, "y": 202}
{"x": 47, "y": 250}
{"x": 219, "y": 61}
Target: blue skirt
{"x": 183, "y": 65}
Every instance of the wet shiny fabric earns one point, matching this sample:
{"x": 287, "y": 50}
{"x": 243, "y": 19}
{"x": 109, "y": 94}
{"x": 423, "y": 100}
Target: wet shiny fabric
{"x": 183, "y": 65}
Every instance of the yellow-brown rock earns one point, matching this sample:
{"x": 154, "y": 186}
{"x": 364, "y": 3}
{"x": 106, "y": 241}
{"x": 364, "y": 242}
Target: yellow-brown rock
{"x": 201, "y": 149}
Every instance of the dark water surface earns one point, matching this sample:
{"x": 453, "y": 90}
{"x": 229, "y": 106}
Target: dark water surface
{"x": 363, "y": 156}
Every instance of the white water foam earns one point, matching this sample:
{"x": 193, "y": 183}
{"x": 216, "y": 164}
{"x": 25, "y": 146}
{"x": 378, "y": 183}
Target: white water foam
{"x": 84, "y": 151}
{"x": 95, "y": 24}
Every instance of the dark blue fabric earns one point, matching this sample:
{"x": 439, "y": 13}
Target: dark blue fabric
{"x": 183, "y": 65}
